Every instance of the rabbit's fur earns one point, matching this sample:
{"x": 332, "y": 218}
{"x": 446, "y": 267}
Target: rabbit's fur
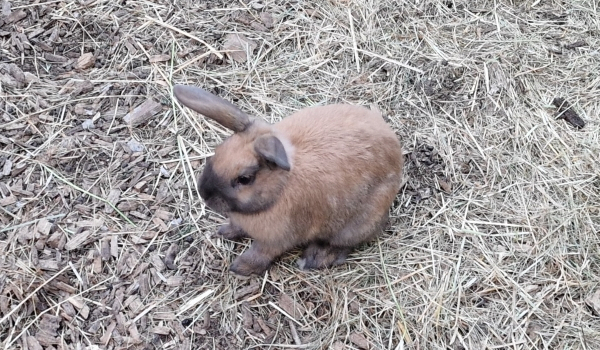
{"x": 324, "y": 177}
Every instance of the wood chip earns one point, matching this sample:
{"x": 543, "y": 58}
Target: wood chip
{"x": 140, "y": 186}
{"x": 44, "y": 226}
{"x": 148, "y": 235}
{"x": 4, "y": 304}
{"x": 158, "y": 262}
{"x": 144, "y": 282}
{"x": 267, "y": 19}
{"x": 82, "y": 87}
{"x": 566, "y": 112}
{"x": 16, "y": 72}
{"x": 105, "y": 248}
{"x": 142, "y": 113}
{"x": 68, "y": 309}
{"x": 134, "y": 333}
{"x": 240, "y": 46}
{"x": 108, "y": 334}
{"x": 79, "y": 303}
{"x": 579, "y": 43}
{"x": 48, "y": 264}
{"x": 263, "y": 325}
{"x": 163, "y": 214}
{"x": 141, "y": 267}
{"x": 78, "y": 240}
{"x": 114, "y": 246}
{"x": 247, "y": 318}
{"x": 25, "y": 234}
{"x": 338, "y": 345}
{"x": 85, "y": 312}
{"x": 593, "y": 300}
{"x": 85, "y": 61}
{"x": 291, "y": 307}
{"x": 243, "y": 18}
{"x": 175, "y": 281}
{"x": 359, "y": 340}
{"x": 159, "y": 58}
{"x": 48, "y": 327}
{"x": 69, "y": 289}
{"x": 18, "y": 169}
{"x": 11, "y": 82}
{"x": 161, "y": 224}
{"x": 22, "y": 192}
{"x": 6, "y": 8}
{"x": 55, "y": 58}
{"x": 97, "y": 264}
{"x": 161, "y": 330}
{"x": 497, "y": 78}
{"x": 445, "y": 186}
{"x": 134, "y": 303}
{"x": 121, "y": 323}
{"x": 15, "y": 16}
{"x": 126, "y": 206}
{"x": 57, "y": 240}
{"x": 94, "y": 223}
{"x": 253, "y": 288}
{"x": 139, "y": 215}
{"x": 259, "y": 27}
{"x": 33, "y": 343}
{"x": 137, "y": 240}
{"x": 170, "y": 256}
{"x": 6, "y": 201}
{"x": 94, "y": 327}
{"x": 7, "y": 167}
{"x": 167, "y": 315}
{"x": 4, "y": 190}
{"x": 313, "y": 13}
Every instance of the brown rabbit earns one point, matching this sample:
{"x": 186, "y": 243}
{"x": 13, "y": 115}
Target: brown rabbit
{"x": 324, "y": 177}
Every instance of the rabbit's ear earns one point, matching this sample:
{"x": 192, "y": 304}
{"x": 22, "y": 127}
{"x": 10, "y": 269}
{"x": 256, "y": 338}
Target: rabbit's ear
{"x": 270, "y": 148}
{"x": 213, "y": 107}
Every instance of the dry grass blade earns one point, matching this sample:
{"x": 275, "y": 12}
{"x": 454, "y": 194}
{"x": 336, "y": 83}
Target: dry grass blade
{"x": 86, "y": 192}
{"x": 168, "y": 26}
{"x": 402, "y": 322}
{"x": 15, "y": 309}
{"x": 493, "y": 239}
{"x": 33, "y": 322}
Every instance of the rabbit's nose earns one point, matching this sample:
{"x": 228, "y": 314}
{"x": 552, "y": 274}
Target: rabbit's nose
{"x": 208, "y": 182}
{"x": 217, "y": 204}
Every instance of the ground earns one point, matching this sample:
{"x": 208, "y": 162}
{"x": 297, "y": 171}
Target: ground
{"x": 493, "y": 239}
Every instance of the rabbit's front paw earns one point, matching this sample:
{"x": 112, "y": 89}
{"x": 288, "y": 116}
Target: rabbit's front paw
{"x": 318, "y": 256}
{"x": 231, "y": 232}
{"x": 250, "y": 262}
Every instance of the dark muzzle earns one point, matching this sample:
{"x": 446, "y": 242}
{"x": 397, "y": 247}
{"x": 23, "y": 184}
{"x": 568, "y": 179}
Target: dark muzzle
{"x": 211, "y": 189}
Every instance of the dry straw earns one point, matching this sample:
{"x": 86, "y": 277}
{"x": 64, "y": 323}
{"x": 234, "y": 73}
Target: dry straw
{"x": 493, "y": 241}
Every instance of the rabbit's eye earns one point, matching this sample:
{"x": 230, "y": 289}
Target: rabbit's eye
{"x": 244, "y": 180}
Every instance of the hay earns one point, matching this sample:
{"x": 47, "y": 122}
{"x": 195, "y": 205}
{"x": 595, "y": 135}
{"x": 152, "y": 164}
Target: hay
{"x": 493, "y": 240}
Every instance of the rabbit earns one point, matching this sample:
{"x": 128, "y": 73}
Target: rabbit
{"x": 323, "y": 178}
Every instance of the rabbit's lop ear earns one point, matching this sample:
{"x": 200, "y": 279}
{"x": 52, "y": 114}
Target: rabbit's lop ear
{"x": 213, "y": 107}
{"x": 270, "y": 148}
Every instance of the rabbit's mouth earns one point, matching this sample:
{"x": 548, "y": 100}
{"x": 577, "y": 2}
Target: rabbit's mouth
{"x": 218, "y": 205}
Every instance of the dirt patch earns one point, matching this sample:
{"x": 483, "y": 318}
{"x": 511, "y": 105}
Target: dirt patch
{"x": 105, "y": 244}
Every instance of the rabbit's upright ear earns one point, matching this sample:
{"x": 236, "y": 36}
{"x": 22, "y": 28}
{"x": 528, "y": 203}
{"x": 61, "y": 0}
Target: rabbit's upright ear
{"x": 270, "y": 148}
{"x": 213, "y": 107}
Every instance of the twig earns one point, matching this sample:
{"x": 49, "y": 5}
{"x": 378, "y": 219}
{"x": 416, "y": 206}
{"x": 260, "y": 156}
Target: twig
{"x": 391, "y": 60}
{"x": 212, "y": 49}
{"x": 354, "y": 40}
{"x": 86, "y": 192}
{"x": 55, "y": 306}
{"x": 16, "y": 308}
{"x": 403, "y": 328}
